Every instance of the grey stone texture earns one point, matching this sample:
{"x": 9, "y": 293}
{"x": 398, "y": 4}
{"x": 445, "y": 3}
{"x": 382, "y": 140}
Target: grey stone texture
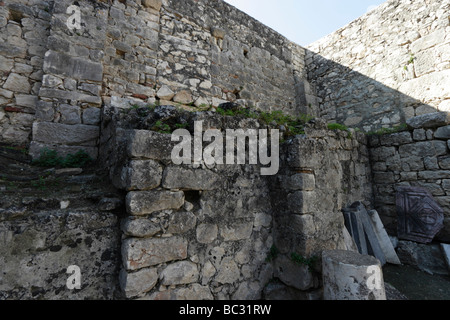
{"x": 397, "y": 162}
{"x": 229, "y": 216}
{"x": 376, "y": 73}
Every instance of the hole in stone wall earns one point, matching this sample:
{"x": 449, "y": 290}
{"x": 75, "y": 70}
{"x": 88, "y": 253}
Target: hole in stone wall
{"x": 16, "y": 16}
{"x": 193, "y": 197}
{"x": 246, "y": 53}
{"x": 120, "y": 53}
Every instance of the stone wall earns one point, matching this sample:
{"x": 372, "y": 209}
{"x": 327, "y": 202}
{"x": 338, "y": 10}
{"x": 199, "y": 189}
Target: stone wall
{"x": 386, "y": 67}
{"x": 198, "y": 54}
{"x": 322, "y": 172}
{"x": 51, "y": 219}
{"x": 24, "y": 28}
{"x": 416, "y": 157}
{"x": 226, "y": 231}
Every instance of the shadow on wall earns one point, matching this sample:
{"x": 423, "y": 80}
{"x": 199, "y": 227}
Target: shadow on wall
{"x": 409, "y": 142}
{"x": 351, "y": 98}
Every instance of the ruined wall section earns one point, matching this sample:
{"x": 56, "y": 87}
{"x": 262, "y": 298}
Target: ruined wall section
{"x": 322, "y": 172}
{"x": 194, "y": 53}
{"x": 386, "y": 67}
{"x": 215, "y": 53}
{"x": 418, "y": 157}
{"x": 24, "y": 28}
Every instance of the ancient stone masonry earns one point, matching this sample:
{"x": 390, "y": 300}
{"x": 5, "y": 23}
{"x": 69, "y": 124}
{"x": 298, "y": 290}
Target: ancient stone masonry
{"x": 116, "y": 78}
{"x": 225, "y": 231}
{"x": 23, "y": 30}
{"x": 386, "y": 67}
{"x": 418, "y": 157}
{"x": 195, "y": 53}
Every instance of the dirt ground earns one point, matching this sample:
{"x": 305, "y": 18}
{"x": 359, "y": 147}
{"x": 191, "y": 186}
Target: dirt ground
{"x": 415, "y": 284}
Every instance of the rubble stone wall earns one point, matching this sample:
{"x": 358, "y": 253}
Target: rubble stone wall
{"x": 418, "y": 157}
{"x": 56, "y": 75}
{"x": 386, "y": 67}
{"x": 226, "y": 231}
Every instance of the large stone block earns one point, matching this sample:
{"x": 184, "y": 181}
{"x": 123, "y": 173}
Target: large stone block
{"x": 59, "y": 63}
{"x": 423, "y": 149}
{"x": 17, "y": 83}
{"x": 71, "y": 135}
{"x": 139, "y": 227}
{"x": 149, "y": 145}
{"x": 348, "y": 275}
{"x": 236, "y": 231}
{"x": 142, "y": 175}
{"x": 443, "y": 133}
{"x": 138, "y": 283}
{"x": 428, "y": 87}
{"x": 430, "y": 120}
{"x": 146, "y": 202}
{"x": 183, "y": 272}
{"x": 190, "y": 179}
{"x": 293, "y": 274}
{"x": 142, "y": 253}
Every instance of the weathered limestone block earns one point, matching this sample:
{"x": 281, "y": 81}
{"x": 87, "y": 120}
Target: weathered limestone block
{"x": 434, "y": 38}
{"x": 444, "y": 162}
{"x": 142, "y": 253}
{"x": 228, "y": 271}
{"x": 91, "y": 116}
{"x": 302, "y": 202}
{"x": 25, "y": 100}
{"x": 70, "y": 114}
{"x": 155, "y": 4}
{"x": 423, "y": 149}
{"x": 429, "y": 120}
{"x": 140, "y": 203}
{"x": 442, "y": 133}
{"x": 70, "y": 95}
{"x": 17, "y": 83}
{"x": 190, "y": 179}
{"x": 348, "y": 275}
{"x": 181, "y": 222}
{"x": 207, "y": 232}
{"x": 396, "y": 139}
{"x": 59, "y": 63}
{"x": 183, "y": 97}
{"x": 139, "y": 227}
{"x": 165, "y": 93}
{"x": 71, "y": 135}
{"x": 293, "y": 274}
{"x": 138, "y": 283}
{"x": 183, "y": 272}
{"x": 142, "y": 175}
{"x": 299, "y": 181}
{"x": 236, "y": 231}
{"x": 149, "y": 144}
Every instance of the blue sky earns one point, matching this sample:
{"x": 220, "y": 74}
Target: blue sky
{"x": 305, "y": 21}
